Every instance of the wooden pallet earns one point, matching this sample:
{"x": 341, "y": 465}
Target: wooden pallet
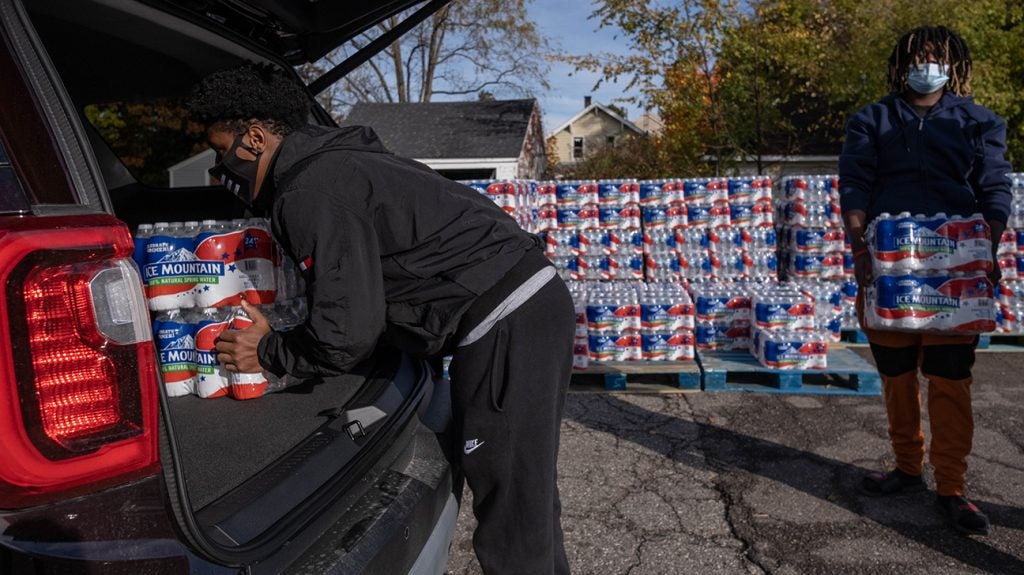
{"x": 682, "y": 374}
{"x": 847, "y": 373}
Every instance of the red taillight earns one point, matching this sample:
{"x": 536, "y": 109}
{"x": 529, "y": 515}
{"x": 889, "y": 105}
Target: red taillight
{"x": 78, "y": 400}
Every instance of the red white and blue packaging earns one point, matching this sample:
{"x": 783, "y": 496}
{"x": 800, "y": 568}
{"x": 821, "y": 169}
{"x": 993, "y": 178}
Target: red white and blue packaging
{"x": 905, "y": 243}
{"x": 950, "y": 303}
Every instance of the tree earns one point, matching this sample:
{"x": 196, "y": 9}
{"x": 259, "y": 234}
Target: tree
{"x": 634, "y": 157}
{"x": 994, "y": 31}
{"x": 816, "y": 63}
{"x": 468, "y": 48}
{"x": 735, "y": 79}
{"x": 620, "y": 110}
{"x": 676, "y": 46}
{"x": 148, "y": 136}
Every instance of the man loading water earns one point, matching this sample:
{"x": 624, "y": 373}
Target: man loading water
{"x": 392, "y": 251}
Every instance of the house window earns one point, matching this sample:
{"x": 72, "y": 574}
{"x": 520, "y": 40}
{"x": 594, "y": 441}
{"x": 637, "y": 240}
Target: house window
{"x": 610, "y": 140}
{"x": 577, "y": 148}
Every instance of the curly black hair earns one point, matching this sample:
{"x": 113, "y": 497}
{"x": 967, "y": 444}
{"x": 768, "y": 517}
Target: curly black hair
{"x": 237, "y": 97}
{"x": 946, "y": 45}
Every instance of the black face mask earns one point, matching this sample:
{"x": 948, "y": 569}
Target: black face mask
{"x": 237, "y": 175}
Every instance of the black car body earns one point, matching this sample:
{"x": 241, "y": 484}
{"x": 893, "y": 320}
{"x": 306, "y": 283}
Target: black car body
{"x": 102, "y": 473}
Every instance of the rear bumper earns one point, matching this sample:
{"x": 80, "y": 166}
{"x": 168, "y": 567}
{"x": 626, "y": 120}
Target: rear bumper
{"x": 404, "y": 522}
{"x": 433, "y": 557}
{"x": 123, "y": 530}
{"x": 404, "y": 519}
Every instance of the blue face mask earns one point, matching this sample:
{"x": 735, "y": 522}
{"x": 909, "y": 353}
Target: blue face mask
{"x": 927, "y": 78}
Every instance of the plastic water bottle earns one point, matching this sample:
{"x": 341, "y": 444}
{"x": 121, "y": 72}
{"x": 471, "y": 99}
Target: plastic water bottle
{"x": 170, "y": 268}
{"x": 174, "y": 333}
{"x": 141, "y": 239}
{"x": 245, "y": 385}
{"x": 213, "y": 378}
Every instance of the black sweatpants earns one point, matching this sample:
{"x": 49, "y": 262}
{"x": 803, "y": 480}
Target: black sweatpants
{"x": 508, "y": 394}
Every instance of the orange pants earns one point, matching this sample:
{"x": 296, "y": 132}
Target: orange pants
{"x": 946, "y": 362}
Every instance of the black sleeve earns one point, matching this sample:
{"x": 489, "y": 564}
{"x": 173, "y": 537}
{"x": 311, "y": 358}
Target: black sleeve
{"x": 344, "y": 284}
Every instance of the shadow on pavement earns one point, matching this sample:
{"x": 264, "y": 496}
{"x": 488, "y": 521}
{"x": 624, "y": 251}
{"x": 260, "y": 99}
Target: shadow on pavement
{"x": 735, "y": 451}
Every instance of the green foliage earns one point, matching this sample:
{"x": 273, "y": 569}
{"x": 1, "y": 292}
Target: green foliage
{"x": 641, "y": 157}
{"x": 783, "y": 76}
{"x": 994, "y": 31}
{"x": 631, "y": 158}
{"x": 148, "y": 137}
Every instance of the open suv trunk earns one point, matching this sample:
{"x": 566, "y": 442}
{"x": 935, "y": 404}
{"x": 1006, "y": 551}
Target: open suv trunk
{"x": 345, "y": 475}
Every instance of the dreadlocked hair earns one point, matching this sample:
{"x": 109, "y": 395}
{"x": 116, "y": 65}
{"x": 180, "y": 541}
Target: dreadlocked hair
{"x": 238, "y": 97}
{"x": 948, "y": 48}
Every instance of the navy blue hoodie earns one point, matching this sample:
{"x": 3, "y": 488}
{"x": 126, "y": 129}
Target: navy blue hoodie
{"x": 952, "y": 160}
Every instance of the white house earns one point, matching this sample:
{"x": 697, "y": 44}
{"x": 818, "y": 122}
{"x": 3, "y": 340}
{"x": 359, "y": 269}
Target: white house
{"x": 597, "y": 126}
{"x": 192, "y": 172}
{"x": 491, "y": 139}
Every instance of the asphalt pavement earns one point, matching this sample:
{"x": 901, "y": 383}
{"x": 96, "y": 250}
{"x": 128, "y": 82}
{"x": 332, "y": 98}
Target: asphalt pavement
{"x": 655, "y": 481}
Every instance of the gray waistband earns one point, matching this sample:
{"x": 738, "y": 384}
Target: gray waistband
{"x": 511, "y": 304}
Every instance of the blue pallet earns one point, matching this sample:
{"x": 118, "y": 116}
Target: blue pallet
{"x": 1002, "y": 342}
{"x": 853, "y": 336}
{"x": 682, "y": 374}
{"x": 847, "y": 373}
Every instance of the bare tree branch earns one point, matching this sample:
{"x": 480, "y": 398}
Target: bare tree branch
{"x": 467, "y": 46}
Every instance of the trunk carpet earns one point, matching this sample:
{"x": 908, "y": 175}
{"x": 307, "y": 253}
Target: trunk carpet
{"x": 222, "y": 442}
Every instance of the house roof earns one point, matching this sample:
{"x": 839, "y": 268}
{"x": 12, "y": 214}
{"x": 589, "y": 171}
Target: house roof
{"x": 487, "y": 129}
{"x": 650, "y": 123}
{"x": 606, "y": 110}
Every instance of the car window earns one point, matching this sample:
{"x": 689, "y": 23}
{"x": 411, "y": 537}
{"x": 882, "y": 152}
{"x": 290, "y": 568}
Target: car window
{"x": 155, "y": 140}
{"x": 12, "y": 198}
{"x": 29, "y": 146}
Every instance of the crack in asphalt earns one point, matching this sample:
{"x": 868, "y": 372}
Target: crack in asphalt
{"x": 638, "y": 554}
{"x": 657, "y": 483}
{"x": 732, "y": 504}
{"x": 667, "y": 426}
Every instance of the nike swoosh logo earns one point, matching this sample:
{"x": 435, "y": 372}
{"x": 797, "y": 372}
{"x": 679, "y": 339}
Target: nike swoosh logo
{"x": 471, "y": 448}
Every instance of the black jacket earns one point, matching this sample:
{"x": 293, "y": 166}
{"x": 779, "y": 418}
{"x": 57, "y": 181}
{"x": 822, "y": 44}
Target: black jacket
{"x": 390, "y": 248}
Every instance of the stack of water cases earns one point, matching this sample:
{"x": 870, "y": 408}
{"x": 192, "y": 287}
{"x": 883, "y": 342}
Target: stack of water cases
{"x": 580, "y": 346}
{"x": 591, "y": 229}
{"x": 815, "y": 253}
{"x": 635, "y": 321}
{"x": 776, "y": 322}
{"x": 708, "y": 228}
{"x": 667, "y": 322}
{"x": 196, "y": 275}
{"x": 832, "y": 305}
{"x": 1010, "y": 296}
{"x": 613, "y": 322}
{"x": 785, "y": 332}
{"x": 930, "y": 274}
{"x": 516, "y": 197}
{"x": 723, "y": 315}
{"x": 658, "y": 230}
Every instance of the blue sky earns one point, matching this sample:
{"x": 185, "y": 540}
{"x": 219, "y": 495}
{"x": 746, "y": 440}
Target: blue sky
{"x": 566, "y": 25}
